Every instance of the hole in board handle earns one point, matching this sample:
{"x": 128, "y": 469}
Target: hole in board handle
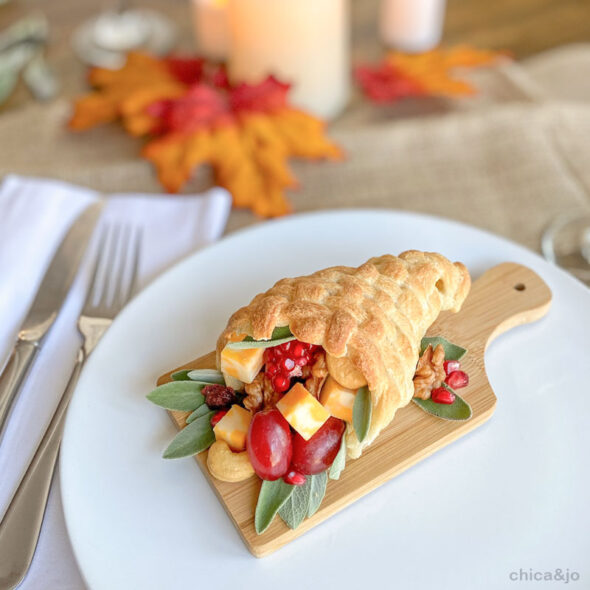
{"x": 520, "y": 287}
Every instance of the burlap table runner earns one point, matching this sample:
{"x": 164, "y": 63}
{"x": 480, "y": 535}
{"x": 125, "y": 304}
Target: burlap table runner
{"x": 508, "y": 160}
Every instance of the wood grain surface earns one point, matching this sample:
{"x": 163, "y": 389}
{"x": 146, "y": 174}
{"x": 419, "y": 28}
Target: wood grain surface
{"x": 506, "y": 296}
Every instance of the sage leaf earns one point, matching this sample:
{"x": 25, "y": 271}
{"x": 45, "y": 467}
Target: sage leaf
{"x": 294, "y": 510}
{"x": 458, "y": 410}
{"x": 273, "y": 494}
{"x": 206, "y": 376}
{"x": 178, "y": 395}
{"x": 305, "y": 500}
{"x": 180, "y": 376}
{"x": 280, "y": 335}
{"x": 453, "y": 352}
{"x": 200, "y": 411}
{"x": 339, "y": 462}
{"x": 192, "y": 439}
{"x": 281, "y": 332}
{"x": 317, "y": 492}
{"x": 361, "y": 413}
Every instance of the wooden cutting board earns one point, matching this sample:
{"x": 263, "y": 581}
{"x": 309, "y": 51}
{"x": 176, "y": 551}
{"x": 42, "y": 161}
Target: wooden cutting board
{"x": 506, "y": 296}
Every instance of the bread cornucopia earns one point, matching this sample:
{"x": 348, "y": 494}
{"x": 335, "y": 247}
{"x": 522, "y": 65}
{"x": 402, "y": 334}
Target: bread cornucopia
{"x": 310, "y": 372}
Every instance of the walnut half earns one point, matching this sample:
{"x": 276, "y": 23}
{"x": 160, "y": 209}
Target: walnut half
{"x": 430, "y": 371}
{"x": 260, "y": 394}
{"x": 318, "y": 373}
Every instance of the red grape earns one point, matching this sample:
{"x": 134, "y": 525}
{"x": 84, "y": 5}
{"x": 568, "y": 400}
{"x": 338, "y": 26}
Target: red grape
{"x": 269, "y": 444}
{"x": 318, "y": 453}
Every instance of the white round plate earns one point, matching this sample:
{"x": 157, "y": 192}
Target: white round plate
{"x": 506, "y": 501}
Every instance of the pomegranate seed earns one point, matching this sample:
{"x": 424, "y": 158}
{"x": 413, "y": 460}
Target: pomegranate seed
{"x": 270, "y": 355}
{"x": 286, "y": 364}
{"x": 285, "y": 346}
{"x": 280, "y": 383}
{"x": 451, "y": 366}
{"x": 301, "y": 361}
{"x": 457, "y": 379}
{"x": 442, "y": 396}
{"x": 298, "y": 349}
{"x": 271, "y": 369}
{"x": 218, "y": 416}
{"x": 294, "y": 478}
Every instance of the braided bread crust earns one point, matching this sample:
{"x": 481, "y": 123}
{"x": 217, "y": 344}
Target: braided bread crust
{"x": 375, "y": 315}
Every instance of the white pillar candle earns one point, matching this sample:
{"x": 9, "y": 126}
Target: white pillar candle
{"x": 302, "y": 42}
{"x": 211, "y": 28}
{"x": 412, "y": 25}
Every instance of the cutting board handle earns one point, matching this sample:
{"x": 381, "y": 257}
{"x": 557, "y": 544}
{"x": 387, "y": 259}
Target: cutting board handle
{"x": 506, "y": 296}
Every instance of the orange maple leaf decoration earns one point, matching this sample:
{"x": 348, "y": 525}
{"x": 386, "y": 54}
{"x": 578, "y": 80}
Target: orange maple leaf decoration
{"x": 246, "y": 133}
{"x": 125, "y": 93}
{"x": 433, "y": 73}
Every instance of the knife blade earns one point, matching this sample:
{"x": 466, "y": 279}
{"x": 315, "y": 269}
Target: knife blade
{"x": 50, "y": 296}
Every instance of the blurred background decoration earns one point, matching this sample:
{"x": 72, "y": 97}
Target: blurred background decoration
{"x": 106, "y": 37}
{"x": 22, "y": 55}
{"x": 211, "y": 24}
{"x": 303, "y": 42}
{"x": 439, "y": 71}
{"x": 412, "y": 25}
{"x": 193, "y": 116}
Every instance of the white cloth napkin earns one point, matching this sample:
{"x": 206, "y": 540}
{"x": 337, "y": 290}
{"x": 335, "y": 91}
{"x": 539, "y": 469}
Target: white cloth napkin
{"x": 34, "y": 216}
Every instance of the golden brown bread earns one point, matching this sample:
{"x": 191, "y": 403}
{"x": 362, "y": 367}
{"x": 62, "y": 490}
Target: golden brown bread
{"x": 375, "y": 315}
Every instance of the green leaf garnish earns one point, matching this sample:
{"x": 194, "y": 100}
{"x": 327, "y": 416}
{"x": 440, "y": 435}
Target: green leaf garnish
{"x": 361, "y": 413}
{"x": 200, "y": 411}
{"x": 339, "y": 462}
{"x": 294, "y": 510}
{"x": 458, "y": 410}
{"x": 180, "y": 376}
{"x": 452, "y": 351}
{"x": 206, "y": 376}
{"x": 273, "y": 494}
{"x": 192, "y": 439}
{"x": 178, "y": 395}
{"x": 201, "y": 375}
{"x": 317, "y": 492}
{"x": 305, "y": 500}
{"x": 280, "y": 335}
{"x": 281, "y": 332}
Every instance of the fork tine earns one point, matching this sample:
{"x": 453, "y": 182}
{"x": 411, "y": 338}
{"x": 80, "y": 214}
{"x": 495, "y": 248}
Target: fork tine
{"x": 136, "y": 257}
{"x": 108, "y": 272}
{"x": 129, "y": 263}
{"x": 91, "y": 294}
{"x": 119, "y": 273}
{"x": 115, "y": 270}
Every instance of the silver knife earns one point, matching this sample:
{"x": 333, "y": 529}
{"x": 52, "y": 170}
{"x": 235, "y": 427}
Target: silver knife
{"x": 50, "y": 296}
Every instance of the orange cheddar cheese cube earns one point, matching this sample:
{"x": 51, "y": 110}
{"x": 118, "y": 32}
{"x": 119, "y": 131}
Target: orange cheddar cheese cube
{"x": 242, "y": 364}
{"x": 233, "y": 428}
{"x": 338, "y": 400}
{"x": 302, "y": 411}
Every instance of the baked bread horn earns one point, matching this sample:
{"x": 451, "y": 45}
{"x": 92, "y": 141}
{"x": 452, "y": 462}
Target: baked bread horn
{"x": 369, "y": 320}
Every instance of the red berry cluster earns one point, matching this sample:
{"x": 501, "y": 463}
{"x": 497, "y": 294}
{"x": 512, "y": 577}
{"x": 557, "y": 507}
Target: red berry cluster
{"x": 456, "y": 379}
{"x": 283, "y": 362}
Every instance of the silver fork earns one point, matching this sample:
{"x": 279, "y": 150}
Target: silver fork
{"x": 112, "y": 284}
